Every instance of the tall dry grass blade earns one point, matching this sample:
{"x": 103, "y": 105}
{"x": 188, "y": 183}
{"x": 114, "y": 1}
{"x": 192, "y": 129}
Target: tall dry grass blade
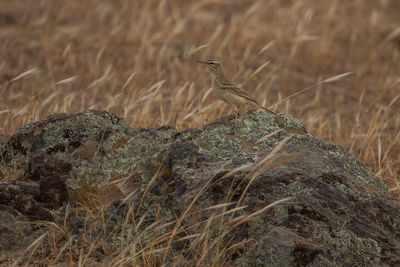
{"x": 271, "y": 155}
{"x": 155, "y": 251}
{"x": 390, "y": 146}
{"x": 128, "y": 81}
{"x": 379, "y": 152}
{"x": 190, "y": 114}
{"x": 260, "y": 68}
{"x": 259, "y": 167}
{"x": 80, "y": 259}
{"x": 224, "y": 213}
{"x": 61, "y": 250}
{"x": 305, "y": 38}
{"x": 188, "y": 237}
{"x": 394, "y": 34}
{"x": 104, "y": 77}
{"x": 245, "y": 218}
{"x": 384, "y": 91}
{"x": 218, "y": 206}
{"x": 252, "y": 9}
{"x": 67, "y": 80}
{"x": 152, "y": 91}
{"x": 230, "y": 247}
{"x": 244, "y": 167}
{"x": 34, "y": 245}
{"x": 394, "y": 188}
{"x": 336, "y": 78}
{"x": 206, "y": 94}
{"x": 196, "y": 49}
{"x": 182, "y": 89}
{"x": 265, "y": 137}
{"x": 186, "y": 212}
{"x": 393, "y": 101}
{"x": 329, "y": 80}
{"x": 24, "y": 74}
{"x": 207, "y": 108}
{"x": 49, "y": 98}
{"x": 266, "y": 47}
{"x": 216, "y": 33}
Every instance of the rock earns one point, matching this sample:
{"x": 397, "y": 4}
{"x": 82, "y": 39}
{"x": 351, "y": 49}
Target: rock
{"x": 13, "y": 229}
{"x": 3, "y": 140}
{"x": 326, "y": 207}
{"x": 24, "y": 197}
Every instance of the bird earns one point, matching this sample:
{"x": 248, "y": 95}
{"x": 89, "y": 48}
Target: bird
{"x": 226, "y": 90}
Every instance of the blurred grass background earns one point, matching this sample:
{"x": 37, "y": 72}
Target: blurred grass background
{"x": 137, "y": 59}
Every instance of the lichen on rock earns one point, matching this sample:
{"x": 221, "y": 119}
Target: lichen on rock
{"x": 336, "y": 211}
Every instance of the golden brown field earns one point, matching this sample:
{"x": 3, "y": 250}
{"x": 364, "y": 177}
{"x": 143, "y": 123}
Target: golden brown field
{"x": 137, "y": 59}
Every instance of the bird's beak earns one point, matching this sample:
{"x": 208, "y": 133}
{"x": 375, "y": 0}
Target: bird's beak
{"x": 202, "y": 62}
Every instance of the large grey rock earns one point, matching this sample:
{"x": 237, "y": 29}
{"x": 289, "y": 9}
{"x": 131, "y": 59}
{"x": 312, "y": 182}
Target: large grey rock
{"x": 336, "y": 212}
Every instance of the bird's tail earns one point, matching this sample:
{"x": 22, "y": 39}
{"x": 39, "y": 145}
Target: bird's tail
{"x": 255, "y": 103}
{"x": 264, "y": 108}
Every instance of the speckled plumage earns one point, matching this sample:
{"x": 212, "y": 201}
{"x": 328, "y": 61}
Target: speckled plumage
{"x": 226, "y": 90}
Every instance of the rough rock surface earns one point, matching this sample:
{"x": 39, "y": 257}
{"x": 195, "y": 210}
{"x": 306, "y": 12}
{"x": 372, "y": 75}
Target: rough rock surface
{"x": 338, "y": 213}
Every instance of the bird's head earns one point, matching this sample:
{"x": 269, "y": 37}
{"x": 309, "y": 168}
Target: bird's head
{"x": 214, "y": 66}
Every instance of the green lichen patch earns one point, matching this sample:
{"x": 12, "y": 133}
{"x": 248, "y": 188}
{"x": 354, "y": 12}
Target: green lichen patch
{"x": 216, "y": 142}
{"x": 114, "y": 156}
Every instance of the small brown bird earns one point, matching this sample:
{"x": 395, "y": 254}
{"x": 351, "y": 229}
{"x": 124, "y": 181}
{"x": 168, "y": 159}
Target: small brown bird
{"x": 227, "y": 90}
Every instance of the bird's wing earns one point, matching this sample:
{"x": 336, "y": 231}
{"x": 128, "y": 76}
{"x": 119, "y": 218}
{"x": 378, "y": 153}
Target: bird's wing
{"x": 236, "y": 89}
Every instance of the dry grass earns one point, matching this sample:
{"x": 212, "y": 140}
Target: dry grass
{"x": 137, "y": 59}
{"x": 131, "y": 242}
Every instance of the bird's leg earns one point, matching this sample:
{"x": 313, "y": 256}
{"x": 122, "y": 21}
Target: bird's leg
{"x": 242, "y": 120}
{"x": 236, "y": 117}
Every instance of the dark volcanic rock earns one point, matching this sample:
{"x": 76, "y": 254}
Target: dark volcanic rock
{"x": 24, "y": 197}
{"x": 13, "y": 229}
{"x": 335, "y": 211}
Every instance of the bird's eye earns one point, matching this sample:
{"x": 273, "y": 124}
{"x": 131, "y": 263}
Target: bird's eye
{"x": 211, "y": 62}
